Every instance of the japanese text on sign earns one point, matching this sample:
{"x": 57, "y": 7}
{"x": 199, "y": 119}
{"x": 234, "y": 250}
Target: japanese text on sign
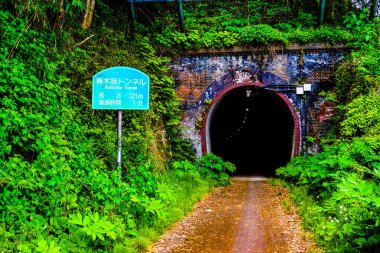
{"x": 120, "y": 88}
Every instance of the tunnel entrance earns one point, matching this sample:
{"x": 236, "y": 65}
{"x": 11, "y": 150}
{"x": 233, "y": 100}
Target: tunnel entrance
{"x": 252, "y": 128}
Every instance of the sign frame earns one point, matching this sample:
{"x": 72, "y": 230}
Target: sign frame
{"x": 120, "y": 88}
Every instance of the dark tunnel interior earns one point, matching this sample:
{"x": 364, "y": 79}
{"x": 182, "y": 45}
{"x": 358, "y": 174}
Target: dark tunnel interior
{"x": 252, "y": 128}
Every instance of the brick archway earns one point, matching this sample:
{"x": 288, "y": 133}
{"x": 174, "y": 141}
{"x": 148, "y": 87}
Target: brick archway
{"x": 205, "y": 134}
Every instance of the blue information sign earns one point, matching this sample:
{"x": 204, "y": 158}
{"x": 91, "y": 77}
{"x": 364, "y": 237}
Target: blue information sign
{"x": 120, "y": 88}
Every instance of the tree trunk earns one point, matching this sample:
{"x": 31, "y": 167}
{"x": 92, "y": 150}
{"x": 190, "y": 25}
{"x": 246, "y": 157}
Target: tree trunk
{"x": 89, "y": 14}
{"x": 59, "y": 20}
{"x": 373, "y": 9}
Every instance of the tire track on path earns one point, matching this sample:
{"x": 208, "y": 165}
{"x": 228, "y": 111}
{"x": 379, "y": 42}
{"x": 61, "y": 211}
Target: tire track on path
{"x": 247, "y": 216}
{"x": 249, "y": 237}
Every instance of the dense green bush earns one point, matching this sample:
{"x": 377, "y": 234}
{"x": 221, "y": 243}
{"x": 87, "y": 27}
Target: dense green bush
{"x": 359, "y": 75}
{"x": 344, "y": 184}
{"x": 252, "y": 35}
{"x": 61, "y": 190}
{"x": 262, "y": 35}
{"x": 338, "y": 190}
{"x": 362, "y": 116}
{"x": 255, "y": 23}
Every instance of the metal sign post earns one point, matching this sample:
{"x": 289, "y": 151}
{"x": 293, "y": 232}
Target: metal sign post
{"x": 119, "y": 133}
{"x": 120, "y": 88}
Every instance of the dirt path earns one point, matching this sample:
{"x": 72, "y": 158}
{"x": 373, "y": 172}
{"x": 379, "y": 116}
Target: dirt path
{"x": 249, "y": 216}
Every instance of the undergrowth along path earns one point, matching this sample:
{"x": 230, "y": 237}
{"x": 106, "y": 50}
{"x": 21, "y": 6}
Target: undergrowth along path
{"x": 248, "y": 216}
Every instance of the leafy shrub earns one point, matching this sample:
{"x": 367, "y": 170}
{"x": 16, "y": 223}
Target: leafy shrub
{"x": 60, "y": 190}
{"x": 332, "y": 35}
{"x": 338, "y": 190}
{"x": 301, "y": 36}
{"x": 172, "y": 38}
{"x": 362, "y": 116}
{"x": 365, "y": 32}
{"x": 284, "y": 27}
{"x": 276, "y": 12}
{"x": 213, "y": 167}
{"x": 234, "y": 25}
{"x": 262, "y": 35}
{"x": 210, "y": 166}
{"x": 343, "y": 182}
{"x": 218, "y": 39}
{"x": 359, "y": 75}
{"x": 305, "y": 19}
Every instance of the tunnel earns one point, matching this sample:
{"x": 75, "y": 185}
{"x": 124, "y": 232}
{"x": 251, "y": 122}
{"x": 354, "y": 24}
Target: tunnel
{"x": 252, "y": 128}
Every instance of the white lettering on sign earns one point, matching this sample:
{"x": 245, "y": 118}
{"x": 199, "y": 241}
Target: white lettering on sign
{"x": 119, "y": 81}
{"x": 138, "y": 102}
{"x": 120, "y": 88}
{"x": 115, "y": 81}
{"x": 110, "y": 102}
{"x": 138, "y": 81}
{"x": 99, "y": 80}
{"x": 107, "y": 87}
{"x": 136, "y": 96}
{"x": 130, "y": 87}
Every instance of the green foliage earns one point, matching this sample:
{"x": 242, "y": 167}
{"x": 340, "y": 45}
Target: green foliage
{"x": 262, "y": 35}
{"x": 362, "y": 116}
{"x": 305, "y": 19}
{"x": 234, "y": 25}
{"x": 344, "y": 223}
{"x": 94, "y": 226}
{"x": 256, "y": 23}
{"x": 219, "y": 39}
{"x": 253, "y": 35}
{"x": 60, "y": 189}
{"x": 327, "y": 34}
{"x": 47, "y": 13}
{"x": 172, "y": 38}
{"x": 210, "y": 166}
{"x": 43, "y": 246}
{"x": 359, "y": 75}
{"x": 366, "y": 32}
{"x": 332, "y": 35}
{"x": 338, "y": 190}
{"x": 213, "y": 167}
{"x": 344, "y": 184}
{"x": 178, "y": 190}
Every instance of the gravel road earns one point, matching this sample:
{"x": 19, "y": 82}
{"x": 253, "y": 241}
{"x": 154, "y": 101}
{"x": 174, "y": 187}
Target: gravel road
{"x": 248, "y": 216}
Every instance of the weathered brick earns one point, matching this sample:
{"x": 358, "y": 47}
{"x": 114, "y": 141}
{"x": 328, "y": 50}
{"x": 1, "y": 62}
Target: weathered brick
{"x": 201, "y": 78}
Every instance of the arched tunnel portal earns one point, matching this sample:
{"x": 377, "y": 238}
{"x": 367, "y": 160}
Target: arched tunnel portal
{"x": 253, "y": 128}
